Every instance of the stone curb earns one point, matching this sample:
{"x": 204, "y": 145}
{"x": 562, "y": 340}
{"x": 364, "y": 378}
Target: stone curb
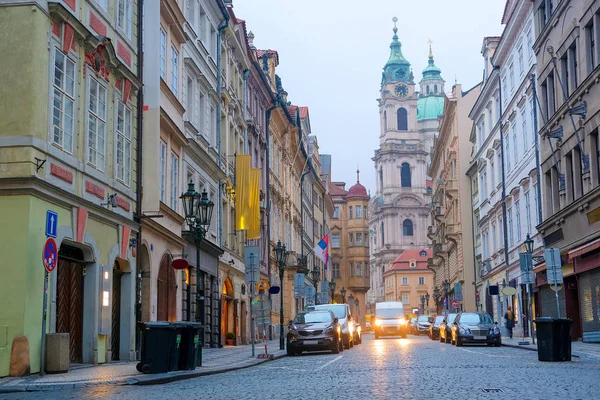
{"x": 144, "y": 380}
{"x": 516, "y": 346}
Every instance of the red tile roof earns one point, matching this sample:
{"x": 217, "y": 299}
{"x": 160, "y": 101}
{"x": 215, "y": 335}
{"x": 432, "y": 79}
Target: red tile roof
{"x": 303, "y": 112}
{"x": 335, "y": 190}
{"x": 402, "y": 262}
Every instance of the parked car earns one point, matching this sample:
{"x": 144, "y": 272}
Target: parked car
{"x": 314, "y": 331}
{"x": 342, "y": 313}
{"x": 412, "y": 326}
{"x": 423, "y": 323}
{"x": 357, "y": 333}
{"x": 446, "y": 328}
{"x": 478, "y": 327}
{"x": 434, "y": 328}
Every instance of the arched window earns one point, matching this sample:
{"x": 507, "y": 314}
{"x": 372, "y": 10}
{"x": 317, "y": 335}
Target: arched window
{"x": 405, "y": 180}
{"x": 382, "y": 235}
{"x": 402, "y": 119}
{"x": 381, "y": 178}
{"x": 434, "y": 88}
{"x": 384, "y": 120}
{"x": 427, "y": 89}
{"x": 407, "y": 227}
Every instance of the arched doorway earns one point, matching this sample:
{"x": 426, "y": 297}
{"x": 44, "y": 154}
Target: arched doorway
{"x": 69, "y": 298}
{"x": 166, "y": 291}
{"x": 227, "y": 305}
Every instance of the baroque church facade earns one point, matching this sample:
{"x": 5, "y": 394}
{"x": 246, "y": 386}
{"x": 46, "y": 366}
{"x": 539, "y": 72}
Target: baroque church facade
{"x": 400, "y": 211}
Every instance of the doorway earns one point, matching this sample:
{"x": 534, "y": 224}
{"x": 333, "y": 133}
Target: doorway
{"x": 166, "y": 291}
{"x": 115, "y": 335}
{"x": 69, "y": 299}
{"x": 571, "y": 288}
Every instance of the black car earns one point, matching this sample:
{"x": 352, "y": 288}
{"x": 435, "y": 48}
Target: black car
{"x": 446, "y": 328}
{"x": 314, "y": 331}
{"x": 478, "y": 327}
{"x": 434, "y": 328}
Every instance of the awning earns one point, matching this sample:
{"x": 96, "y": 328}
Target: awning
{"x": 581, "y": 250}
{"x": 539, "y": 268}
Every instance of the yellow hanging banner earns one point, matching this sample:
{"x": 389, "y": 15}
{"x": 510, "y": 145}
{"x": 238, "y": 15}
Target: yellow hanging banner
{"x": 254, "y": 205}
{"x": 242, "y": 191}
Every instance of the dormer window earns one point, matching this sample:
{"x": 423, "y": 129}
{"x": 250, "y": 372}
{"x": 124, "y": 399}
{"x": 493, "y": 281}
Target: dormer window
{"x": 412, "y": 264}
{"x": 423, "y": 253}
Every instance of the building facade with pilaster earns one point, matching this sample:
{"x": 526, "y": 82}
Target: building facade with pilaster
{"x": 567, "y": 55}
{"x": 68, "y": 145}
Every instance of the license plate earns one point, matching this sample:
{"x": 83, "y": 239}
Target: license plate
{"x": 479, "y": 337}
{"x": 309, "y": 342}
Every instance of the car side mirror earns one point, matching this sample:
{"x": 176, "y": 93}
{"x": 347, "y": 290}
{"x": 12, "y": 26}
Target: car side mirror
{"x": 444, "y": 322}
{"x": 291, "y": 322}
{"x": 454, "y": 323}
{"x": 335, "y": 320}
{"x": 496, "y": 322}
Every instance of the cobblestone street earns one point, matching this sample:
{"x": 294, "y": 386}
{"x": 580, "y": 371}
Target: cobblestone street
{"x": 415, "y": 368}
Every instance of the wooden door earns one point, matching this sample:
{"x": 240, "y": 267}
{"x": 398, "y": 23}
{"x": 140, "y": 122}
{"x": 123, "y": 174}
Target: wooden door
{"x": 166, "y": 291}
{"x": 69, "y": 306}
{"x": 115, "y": 334}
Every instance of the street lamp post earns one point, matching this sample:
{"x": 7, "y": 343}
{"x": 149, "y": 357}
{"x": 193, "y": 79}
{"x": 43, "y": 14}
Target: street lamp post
{"x": 427, "y": 301}
{"x": 316, "y": 275}
{"x": 529, "y": 250}
{"x": 197, "y": 210}
{"x": 280, "y": 258}
{"x": 436, "y": 297}
{"x": 446, "y": 293}
{"x": 343, "y": 292}
{"x": 332, "y": 290}
{"x": 422, "y": 304}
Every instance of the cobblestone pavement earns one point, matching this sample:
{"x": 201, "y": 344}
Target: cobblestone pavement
{"x": 390, "y": 368}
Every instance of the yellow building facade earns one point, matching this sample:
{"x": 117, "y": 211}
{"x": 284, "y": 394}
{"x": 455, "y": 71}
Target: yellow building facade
{"x": 68, "y": 146}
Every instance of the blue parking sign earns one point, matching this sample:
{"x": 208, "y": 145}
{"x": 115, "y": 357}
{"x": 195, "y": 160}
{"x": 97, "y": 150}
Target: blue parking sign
{"x": 51, "y": 223}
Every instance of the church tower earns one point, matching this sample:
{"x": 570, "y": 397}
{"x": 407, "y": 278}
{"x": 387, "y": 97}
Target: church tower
{"x": 399, "y": 212}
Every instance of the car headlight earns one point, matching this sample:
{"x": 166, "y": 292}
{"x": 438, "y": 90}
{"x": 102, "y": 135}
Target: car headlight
{"x": 377, "y": 322}
{"x": 329, "y": 329}
{"x": 402, "y": 321}
{"x": 495, "y": 330}
{"x": 464, "y": 331}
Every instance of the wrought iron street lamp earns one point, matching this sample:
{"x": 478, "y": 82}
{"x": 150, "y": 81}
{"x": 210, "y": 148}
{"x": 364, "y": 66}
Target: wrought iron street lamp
{"x": 197, "y": 210}
{"x": 316, "y": 277}
{"x": 280, "y": 258}
{"x": 427, "y": 301}
{"x": 447, "y": 293}
{"x": 343, "y": 292}
{"x": 529, "y": 242}
{"x": 332, "y": 290}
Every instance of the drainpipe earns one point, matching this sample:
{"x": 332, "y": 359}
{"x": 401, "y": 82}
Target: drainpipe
{"x": 220, "y": 29}
{"x": 504, "y": 222}
{"x": 245, "y": 92}
{"x": 139, "y": 154}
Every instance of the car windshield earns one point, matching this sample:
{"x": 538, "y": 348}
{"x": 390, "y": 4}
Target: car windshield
{"x": 451, "y": 317}
{"x": 312, "y": 317}
{"x": 338, "y": 309}
{"x": 389, "y": 313}
{"x": 425, "y": 318}
{"x": 473, "y": 318}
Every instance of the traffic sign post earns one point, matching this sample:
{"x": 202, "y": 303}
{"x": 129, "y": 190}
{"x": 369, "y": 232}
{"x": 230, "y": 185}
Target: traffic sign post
{"x": 455, "y": 304}
{"x": 51, "y": 223}
{"x": 49, "y": 260}
{"x": 554, "y": 272}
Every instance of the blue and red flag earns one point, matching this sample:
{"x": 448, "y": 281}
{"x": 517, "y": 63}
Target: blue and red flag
{"x": 322, "y": 250}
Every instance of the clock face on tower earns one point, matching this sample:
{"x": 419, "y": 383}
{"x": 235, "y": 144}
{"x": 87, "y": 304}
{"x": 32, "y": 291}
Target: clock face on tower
{"x": 401, "y": 90}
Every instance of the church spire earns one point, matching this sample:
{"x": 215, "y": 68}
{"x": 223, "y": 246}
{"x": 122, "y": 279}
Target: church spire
{"x": 397, "y": 67}
{"x": 357, "y": 175}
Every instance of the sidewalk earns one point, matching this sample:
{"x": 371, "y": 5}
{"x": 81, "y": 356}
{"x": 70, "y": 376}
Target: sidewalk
{"x": 578, "y": 349}
{"x": 214, "y": 361}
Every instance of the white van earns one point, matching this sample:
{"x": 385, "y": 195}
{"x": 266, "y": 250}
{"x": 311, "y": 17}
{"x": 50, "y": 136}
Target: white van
{"x": 389, "y": 319}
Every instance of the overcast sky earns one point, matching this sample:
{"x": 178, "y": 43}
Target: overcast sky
{"x": 331, "y": 56}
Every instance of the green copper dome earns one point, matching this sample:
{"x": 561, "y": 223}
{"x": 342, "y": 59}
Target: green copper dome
{"x": 430, "y": 107}
{"x": 397, "y": 68}
{"x": 431, "y": 72}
